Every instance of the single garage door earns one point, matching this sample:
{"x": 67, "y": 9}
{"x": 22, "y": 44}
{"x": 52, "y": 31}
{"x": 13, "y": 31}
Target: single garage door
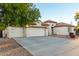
{"x": 35, "y": 32}
{"x": 15, "y": 32}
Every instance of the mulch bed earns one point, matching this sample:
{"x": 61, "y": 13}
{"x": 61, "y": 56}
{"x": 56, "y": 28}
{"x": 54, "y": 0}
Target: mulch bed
{"x": 9, "y": 47}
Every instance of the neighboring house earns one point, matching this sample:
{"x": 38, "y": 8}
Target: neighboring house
{"x": 40, "y": 29}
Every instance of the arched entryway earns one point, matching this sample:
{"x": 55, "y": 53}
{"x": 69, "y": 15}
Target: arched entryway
{"x": 1, "y": 35}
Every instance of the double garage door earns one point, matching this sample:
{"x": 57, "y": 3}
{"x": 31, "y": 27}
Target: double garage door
{"x": 18, "y": 32}
{"x": 35, "y": 32}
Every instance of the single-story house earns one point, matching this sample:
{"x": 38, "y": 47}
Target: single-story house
{"x": 45, "y": 28}
{"x": 59, "y": 28}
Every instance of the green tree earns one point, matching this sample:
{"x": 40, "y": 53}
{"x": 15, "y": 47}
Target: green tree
{"x": 77, "y": 19}
{"x": 21, "y": 14}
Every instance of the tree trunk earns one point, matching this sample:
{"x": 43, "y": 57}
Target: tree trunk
{"x": 6, "y": 33}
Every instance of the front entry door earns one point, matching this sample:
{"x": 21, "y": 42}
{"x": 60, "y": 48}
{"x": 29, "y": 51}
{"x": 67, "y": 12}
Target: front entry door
{"x": 52, "y": 30}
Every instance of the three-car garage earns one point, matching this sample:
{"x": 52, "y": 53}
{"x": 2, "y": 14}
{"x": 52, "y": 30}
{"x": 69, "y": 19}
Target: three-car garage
{"x": 28, "y": 32}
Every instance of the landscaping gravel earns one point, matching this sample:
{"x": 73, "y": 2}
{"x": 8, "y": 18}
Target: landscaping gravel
{"x": 9, "y": 47}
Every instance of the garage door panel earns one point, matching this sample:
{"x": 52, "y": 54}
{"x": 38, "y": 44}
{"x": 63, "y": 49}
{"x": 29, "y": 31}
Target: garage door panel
{"x": 35, "y": 32}
{"x": 15, "y": 32}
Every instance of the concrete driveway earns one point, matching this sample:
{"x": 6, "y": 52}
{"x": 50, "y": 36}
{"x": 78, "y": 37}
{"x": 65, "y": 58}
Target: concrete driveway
{"x": 50, "y": 46}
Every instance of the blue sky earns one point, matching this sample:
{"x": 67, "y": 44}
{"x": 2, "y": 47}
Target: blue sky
{"x": 60, "y": 12}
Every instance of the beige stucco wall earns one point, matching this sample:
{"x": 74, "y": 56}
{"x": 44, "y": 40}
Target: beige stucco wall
{"x": 46, "y": 32}
{"x": 49, "y": 28}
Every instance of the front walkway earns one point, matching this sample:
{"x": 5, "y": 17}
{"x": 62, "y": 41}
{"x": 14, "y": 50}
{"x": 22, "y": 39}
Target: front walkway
{"x": 50, "y": 46}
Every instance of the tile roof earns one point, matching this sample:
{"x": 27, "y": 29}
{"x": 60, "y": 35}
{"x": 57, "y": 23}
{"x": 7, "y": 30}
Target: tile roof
{"x": 64, "y": 25}
{"x": 44, "y": 24}
{"x": 50, "y": 21}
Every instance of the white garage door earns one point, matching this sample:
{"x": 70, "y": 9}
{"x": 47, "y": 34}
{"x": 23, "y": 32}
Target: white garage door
{"x": 35, "y": 32}
{"x": 61, "y": 30}
{"x": 15, "y": 32}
